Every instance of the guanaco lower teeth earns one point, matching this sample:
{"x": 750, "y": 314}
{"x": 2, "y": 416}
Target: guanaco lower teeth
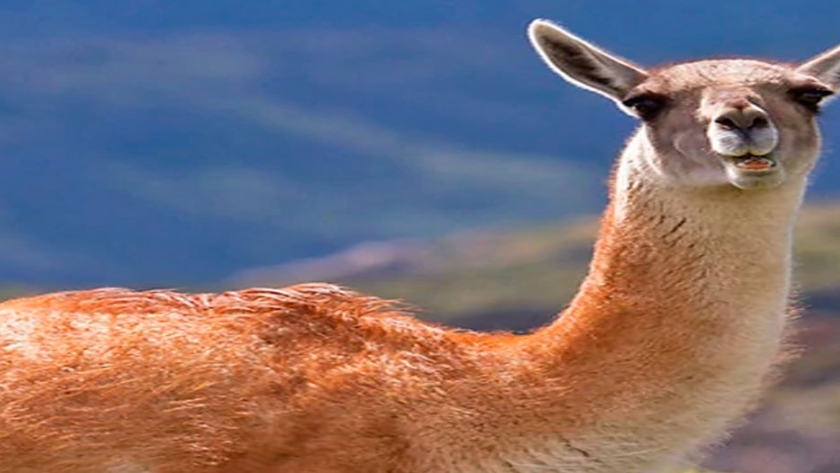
{"x": 754, "y": 163}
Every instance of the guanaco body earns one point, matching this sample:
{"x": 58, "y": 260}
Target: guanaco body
{"x": 669, "y": 339}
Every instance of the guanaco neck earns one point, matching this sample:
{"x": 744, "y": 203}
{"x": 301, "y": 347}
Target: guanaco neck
{"x": 685, "y": 301}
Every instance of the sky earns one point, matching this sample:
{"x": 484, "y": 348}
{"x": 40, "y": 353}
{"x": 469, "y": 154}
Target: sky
{"x": 172, "y": 143}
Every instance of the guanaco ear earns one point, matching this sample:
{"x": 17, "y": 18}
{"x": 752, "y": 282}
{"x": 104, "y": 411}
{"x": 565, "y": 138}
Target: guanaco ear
{"x": 825, "y": 67}
{"x": 584, "y": 64}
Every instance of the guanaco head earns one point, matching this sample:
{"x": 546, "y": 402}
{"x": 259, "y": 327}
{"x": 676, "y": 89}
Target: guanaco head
{"x": 740, "y": 122}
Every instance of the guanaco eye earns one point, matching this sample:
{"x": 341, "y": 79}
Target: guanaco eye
{"x": 646, "y": 106}
{"x": 810, "y": 97}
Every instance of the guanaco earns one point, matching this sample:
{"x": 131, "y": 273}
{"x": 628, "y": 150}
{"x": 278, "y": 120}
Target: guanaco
{"x": 668, "y": 341}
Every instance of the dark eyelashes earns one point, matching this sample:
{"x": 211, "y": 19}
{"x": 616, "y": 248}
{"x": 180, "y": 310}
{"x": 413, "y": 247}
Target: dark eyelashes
{"x": 646, "y": 105}
{"x": 809, "y": 97}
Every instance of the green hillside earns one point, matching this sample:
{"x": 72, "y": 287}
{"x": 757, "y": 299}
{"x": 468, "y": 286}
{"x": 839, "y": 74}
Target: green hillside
{"x": 537, "y": 270}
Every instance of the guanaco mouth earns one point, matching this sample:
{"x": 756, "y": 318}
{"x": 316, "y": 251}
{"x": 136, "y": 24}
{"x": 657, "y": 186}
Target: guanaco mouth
{"x": 753, "y": 163}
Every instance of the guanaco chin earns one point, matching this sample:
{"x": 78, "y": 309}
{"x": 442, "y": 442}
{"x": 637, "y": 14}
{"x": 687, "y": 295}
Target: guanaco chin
{"x": 667, "y": 342}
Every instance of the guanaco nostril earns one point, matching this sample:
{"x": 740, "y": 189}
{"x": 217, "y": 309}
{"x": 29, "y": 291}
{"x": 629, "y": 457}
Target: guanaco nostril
{"x": 726, "y": 123}
{"x": 759, "y": 122}
{"x": 743, "y": 122}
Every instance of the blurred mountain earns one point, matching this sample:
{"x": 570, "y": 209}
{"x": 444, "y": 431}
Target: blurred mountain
{"x": 519, "y": 278}
{"x": 173, "y": 143}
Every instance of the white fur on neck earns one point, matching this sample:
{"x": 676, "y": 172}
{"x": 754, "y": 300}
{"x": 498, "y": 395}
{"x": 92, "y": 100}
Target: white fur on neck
{"x": 745, "y": 239}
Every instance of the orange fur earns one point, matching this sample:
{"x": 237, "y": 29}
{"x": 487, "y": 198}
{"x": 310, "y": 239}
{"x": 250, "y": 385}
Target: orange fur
{"x": 196, "y": 379}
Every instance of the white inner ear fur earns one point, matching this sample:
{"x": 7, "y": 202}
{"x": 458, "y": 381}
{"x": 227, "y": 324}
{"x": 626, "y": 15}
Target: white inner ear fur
{"x": 825, "y": 67}
{"x": 583, "y": 64}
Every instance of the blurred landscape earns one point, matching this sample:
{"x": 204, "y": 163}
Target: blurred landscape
{"x": 176, "y": 143}
{"x": 416, "y": 150}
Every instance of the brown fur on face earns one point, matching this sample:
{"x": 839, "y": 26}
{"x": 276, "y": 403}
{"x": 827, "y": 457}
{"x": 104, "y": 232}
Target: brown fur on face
{"x": 698, "y": 91}
{"x": 668, "y": 342}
